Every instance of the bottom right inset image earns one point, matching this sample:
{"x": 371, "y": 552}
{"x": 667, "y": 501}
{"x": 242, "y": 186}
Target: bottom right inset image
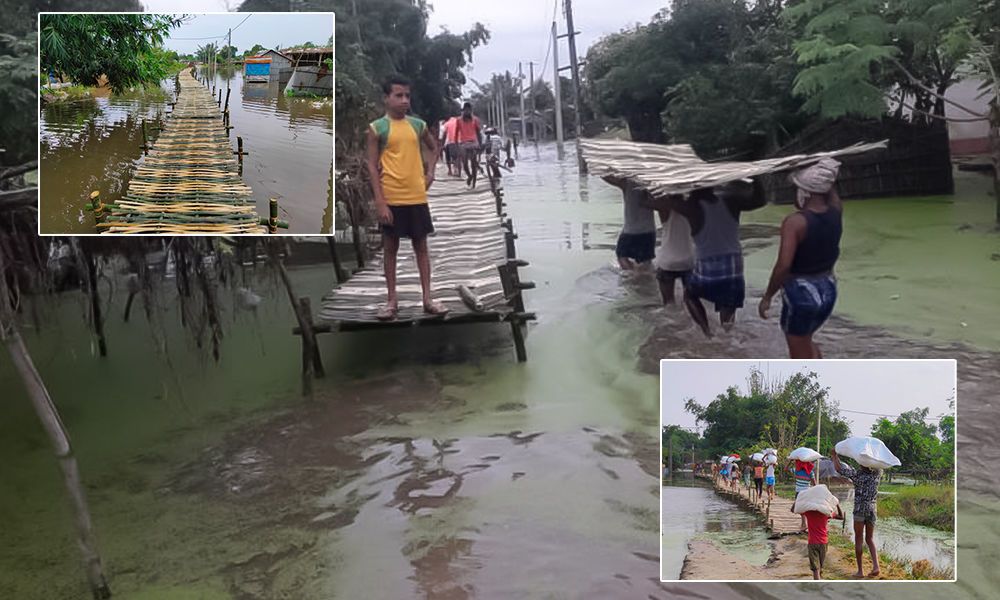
{"x": 807, "y": 470}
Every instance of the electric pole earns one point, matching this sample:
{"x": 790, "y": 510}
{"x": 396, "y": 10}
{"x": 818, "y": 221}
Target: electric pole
{"x": 531, "y": 94}
{"x": 555, "y": 91}
{"x": 520, "y": 93}
{"x": 571, "y": 33}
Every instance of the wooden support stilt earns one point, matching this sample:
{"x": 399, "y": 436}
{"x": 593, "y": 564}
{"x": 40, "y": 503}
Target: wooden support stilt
{"x": 337, "y": 269}
{"x": 239, "y": 152}
{"x": 519, "y": 349}
{"x": 305, "y": 310}
{"x": 309, "y": 357}
{"x": 220, "y": 99}
{"x": 226, "y": 109}
{"x": 97, "y": 206}
{"x": 359, "y": 251}
{"x": 145, "y": 139}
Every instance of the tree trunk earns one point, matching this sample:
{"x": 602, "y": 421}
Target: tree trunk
{"x": 71, "y": 475}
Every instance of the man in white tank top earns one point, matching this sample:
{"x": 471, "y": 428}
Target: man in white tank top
{"x": 675, "y": 255}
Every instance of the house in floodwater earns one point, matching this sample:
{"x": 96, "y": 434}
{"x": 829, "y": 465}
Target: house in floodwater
{"x": 278, "y": 69}
{"x": 311, "y": 70}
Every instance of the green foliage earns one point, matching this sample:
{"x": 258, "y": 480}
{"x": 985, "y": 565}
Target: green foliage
{"x": 378, "y": 38}
{"x": 683, "y": 442}
{"x": 257, "y": 49}
{"x": 18, "y": 96}
{"x": 916, "y": 444}
{"x": 780, "y": 413}
{"x": 119, "y": 46}
{"x": 929, "y": 505}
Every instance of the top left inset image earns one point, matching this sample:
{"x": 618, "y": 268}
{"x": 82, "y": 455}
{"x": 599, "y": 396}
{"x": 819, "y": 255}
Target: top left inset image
{"x": 206, "y": 124}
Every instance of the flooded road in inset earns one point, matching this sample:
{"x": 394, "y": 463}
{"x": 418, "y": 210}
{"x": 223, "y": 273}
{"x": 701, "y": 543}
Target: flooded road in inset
{"x": 96, "y": 144}
{"x": 429, "y": 463}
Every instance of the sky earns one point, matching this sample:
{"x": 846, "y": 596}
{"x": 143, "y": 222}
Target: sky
{"x": 519, "y": 29}
{"x": 267, "y": 29}
{"x": 886, "y": 388}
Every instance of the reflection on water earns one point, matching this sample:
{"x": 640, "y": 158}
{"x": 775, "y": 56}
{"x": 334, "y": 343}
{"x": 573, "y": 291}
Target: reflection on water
{"x": 95, "y": 144}
{"x": 696, "y": 510}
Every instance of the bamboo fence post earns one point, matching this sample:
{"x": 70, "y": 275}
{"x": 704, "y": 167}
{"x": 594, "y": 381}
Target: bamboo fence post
{"x": 53, "y": 425}
{"x": 145, "y": 138}
{"x": 239, "y": 152}
{"x": 226, "y": 109}
{"x": 317, "y": 360}
{"x": 97, "y": 206}
{"x": 95, "y": 296}
{"x": 220, "y": 98}
{"x": 272, "y": 221}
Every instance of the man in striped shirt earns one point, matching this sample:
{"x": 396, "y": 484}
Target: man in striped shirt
{"x": 865, "y": 514}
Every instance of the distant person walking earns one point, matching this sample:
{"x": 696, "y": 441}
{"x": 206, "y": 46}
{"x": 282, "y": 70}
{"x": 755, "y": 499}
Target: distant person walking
{"x": 450, "y": 146}
{"x": 865, "y": 510}
{"x": 769, "y": 480}
{"x": 469, "y": 136}
{"x": 399, "y": 179}
{"x": 637, "y": 240}
{"x": 810, "y": 246}
{"x": 714, "y": 215}
{"x": 758, "y": 479}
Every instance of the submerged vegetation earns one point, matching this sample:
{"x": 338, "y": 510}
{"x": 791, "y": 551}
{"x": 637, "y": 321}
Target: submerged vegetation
{"x": 929, "y": 505}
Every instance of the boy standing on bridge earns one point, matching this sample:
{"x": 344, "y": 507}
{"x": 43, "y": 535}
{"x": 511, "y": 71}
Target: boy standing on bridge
{"x": 401, "y": 171}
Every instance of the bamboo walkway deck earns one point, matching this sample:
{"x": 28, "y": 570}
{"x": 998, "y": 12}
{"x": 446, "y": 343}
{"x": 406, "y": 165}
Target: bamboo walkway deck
{"x": 472, "y": 246}
{"x": 190, "y": 181}
{"x": 777, "y": 513}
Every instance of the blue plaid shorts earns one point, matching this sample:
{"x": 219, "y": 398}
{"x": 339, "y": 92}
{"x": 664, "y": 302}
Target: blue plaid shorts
{"x": 807, "y": 303}
{"x": 719, "y": 279}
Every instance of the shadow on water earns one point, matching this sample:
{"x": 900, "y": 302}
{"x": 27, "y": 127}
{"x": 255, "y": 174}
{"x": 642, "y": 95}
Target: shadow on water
{"x": 429, "y": 463}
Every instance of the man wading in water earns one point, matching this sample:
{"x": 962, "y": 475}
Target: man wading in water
{"x": 810, "y": 245}
{"x": 714, "y": 215}
{"x": 400, "y": 178}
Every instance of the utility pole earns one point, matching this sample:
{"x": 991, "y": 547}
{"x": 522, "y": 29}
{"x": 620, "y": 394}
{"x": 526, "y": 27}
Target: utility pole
{"x": 670, "y": 454}
{"x": 571, "y": 33}
{"x": 503, "y": 105}
{"x": 229, "y": 49}
{"x": 555, "y": 91}
{"x": 531, "y": 93}
{"x": 520, "y": 93}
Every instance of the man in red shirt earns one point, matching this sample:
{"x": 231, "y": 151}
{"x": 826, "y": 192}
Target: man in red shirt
{"x": 818, "y": 538}
{"x": 469, "y": 137}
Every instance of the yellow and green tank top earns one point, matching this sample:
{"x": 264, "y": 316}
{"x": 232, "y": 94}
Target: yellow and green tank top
{"x": 401, "y": 159}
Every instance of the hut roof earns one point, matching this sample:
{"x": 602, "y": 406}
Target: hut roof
{"x": 676, "y": 169}
{"x": 323, "y": 50}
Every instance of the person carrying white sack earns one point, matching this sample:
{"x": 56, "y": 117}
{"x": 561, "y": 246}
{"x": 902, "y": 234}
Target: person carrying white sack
{"x": 810, "y": 246}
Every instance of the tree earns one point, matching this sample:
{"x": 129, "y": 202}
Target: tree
{"x": 205, "y": 53}
{"x": 857, "y": 55}
{"x": 118, "y": 46}
{"x": 915, "y": 443}
{"x": 257, "y": 49}
{"x": 226, "y": 52}
{"x": 683, "y": 442}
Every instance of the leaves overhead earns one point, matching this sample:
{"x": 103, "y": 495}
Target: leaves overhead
{"x": 121, "y": 47}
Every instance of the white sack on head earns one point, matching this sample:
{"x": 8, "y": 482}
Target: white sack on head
{"x": 771, "y": 459}
{"x": 868, "y": 451}
{"x": 805, "y": 454}
{"x": 770, "y": 451}
{"x": 816, "y": 498}
{"x": 757, "y": 456}
{"x": 818, "y": 178}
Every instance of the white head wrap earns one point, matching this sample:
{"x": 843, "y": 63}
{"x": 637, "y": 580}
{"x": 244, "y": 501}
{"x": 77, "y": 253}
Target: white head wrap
{"x": 818, "y": 178}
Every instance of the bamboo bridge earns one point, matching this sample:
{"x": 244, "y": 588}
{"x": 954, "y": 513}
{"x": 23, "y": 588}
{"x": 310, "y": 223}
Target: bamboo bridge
{"x": 190, "y": 181}
{"x": 777, "y": 512}
{"x": 474, "y": 271}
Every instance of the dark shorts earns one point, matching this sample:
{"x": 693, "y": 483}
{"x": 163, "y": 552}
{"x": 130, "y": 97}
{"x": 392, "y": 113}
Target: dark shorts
{"x": 451, "y": 152}
{"x": 817, "y": 554}
{"x": 640, "y": 247}
{"x": 719, "y": 279}
{"x": 865, "y": 518}
{"x": 807, "y": 303}
{"x": 411, "y": 221}
{"x": 668, "y": 276}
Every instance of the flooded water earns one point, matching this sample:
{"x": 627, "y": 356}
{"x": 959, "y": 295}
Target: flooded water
{"x": 695, "y": 510}
{"x": 429, "y": 464}
{"x": 95, "y": 144}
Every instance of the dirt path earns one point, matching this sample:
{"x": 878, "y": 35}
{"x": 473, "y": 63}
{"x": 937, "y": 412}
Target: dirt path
{"x": 705, "y": 561}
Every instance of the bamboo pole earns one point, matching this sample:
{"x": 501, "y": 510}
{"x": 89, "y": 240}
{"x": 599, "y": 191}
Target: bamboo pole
{"x": 272, "y": 221}
{"x": 145, "y": 138}
{"x": 305, "y": 324}
{"x": 337, "y": 269}
{"x": 53, "y": 425}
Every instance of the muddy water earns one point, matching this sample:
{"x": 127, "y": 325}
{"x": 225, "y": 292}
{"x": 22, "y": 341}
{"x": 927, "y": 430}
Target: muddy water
{"x": 429, "y": 464}
{"x": 95, "y": 144}
{"x": 695, "y": 510}
{"x": 909, "y": 542}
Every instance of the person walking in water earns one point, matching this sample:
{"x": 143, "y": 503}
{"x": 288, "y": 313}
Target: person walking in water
{"x": 637, "y": 240}
{"x": 865, "y": 514}
{"x": 400, "y": 174}
{"x": 810, "y": 246}
{"x": 675, "y": 254}
{"x": 714, "y": 216}
{"x": 469, "y": 136}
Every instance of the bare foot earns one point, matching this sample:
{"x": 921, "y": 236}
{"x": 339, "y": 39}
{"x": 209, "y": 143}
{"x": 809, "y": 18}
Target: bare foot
{"x": 435, "y": 308}
{"x": 858, "y": 575}
{"x": 387, "y": 312}
{"x": 874, "y": 573}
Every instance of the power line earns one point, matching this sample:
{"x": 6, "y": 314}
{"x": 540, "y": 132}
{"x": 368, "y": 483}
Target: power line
{"x": 548, "y": 45}
{"x": 885, "y": 416}
{"x": 216, "y": 37}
